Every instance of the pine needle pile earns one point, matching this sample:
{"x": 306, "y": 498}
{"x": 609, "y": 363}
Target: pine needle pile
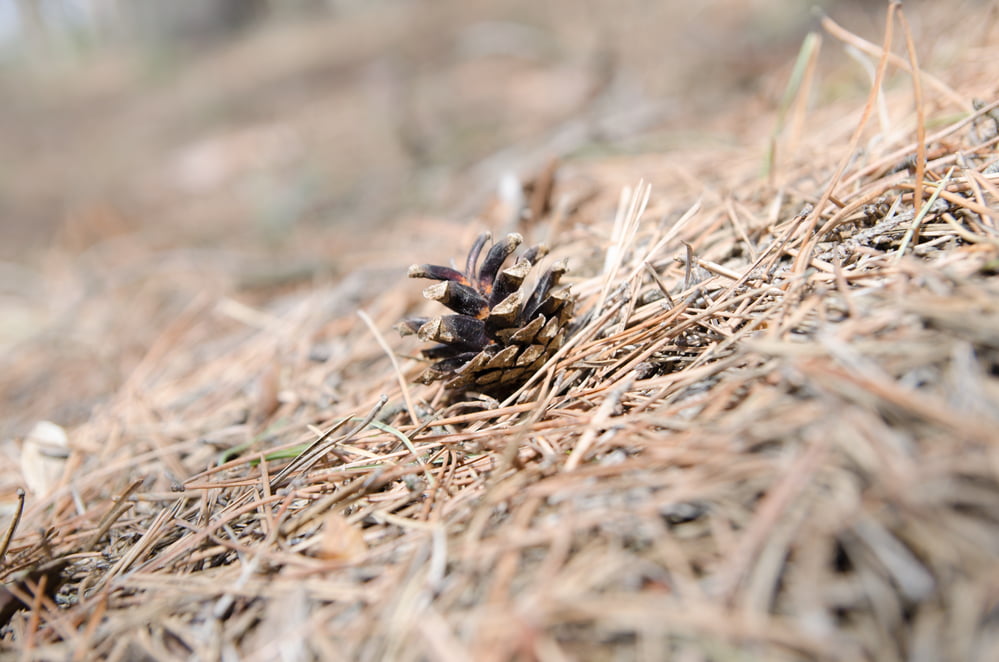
{"x": 771, "y": 432}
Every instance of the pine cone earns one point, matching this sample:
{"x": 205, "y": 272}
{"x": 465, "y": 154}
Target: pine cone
{"x": 497, "y": 339}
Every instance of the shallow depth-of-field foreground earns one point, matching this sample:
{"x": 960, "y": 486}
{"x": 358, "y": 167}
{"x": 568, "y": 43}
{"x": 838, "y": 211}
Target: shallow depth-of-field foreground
{"x": 771, "y": 433}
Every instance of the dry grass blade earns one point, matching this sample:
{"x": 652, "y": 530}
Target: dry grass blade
{"x": 912, "y": 233}
{"x": 846, "y": 36}
{"x": 629, "y": 214}
{"x": 795, "y": 93}
{"x": 813, "y": 218}
{"x": 410, "y": 407}
{"x": 917, "y": 92}
{"x": 321, "y": 446}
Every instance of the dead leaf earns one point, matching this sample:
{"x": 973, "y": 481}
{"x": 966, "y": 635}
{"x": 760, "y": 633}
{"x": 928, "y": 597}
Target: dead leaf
{"x": 43, "y": 457}
{"x": 340, "y": 540}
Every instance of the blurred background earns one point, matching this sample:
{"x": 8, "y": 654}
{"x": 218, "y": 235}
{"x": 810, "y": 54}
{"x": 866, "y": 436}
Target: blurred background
{"x": 151, "y": 151}
{"x": 213, "y": 116}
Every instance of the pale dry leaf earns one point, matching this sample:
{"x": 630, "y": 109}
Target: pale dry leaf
{"x": 43, "y": 457}
{"x": 340, "y": 540}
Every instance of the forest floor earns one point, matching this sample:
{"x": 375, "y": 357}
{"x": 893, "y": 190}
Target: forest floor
{"x": 770, "y": 433}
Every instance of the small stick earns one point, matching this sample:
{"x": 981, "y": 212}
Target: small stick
{"x": 659, "y": 283}
{"x": 13, "y": 524}
{"x": 917, "y": 91}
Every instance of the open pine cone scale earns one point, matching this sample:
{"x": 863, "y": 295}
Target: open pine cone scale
{"x": 496, "y": 339}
